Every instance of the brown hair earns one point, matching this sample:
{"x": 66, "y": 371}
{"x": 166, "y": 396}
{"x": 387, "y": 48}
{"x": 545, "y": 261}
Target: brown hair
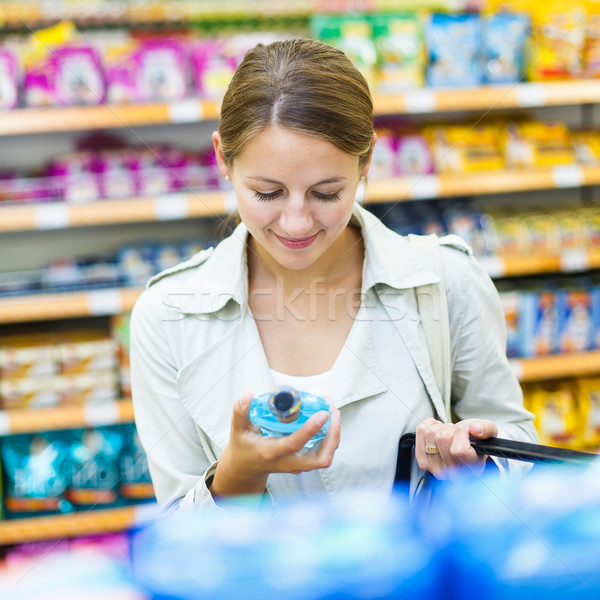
{"x": 303, "y": 85}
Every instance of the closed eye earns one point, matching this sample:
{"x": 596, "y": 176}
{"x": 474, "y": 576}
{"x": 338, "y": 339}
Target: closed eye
{"x": 327, "y": 197}
{"x": 266, "y": 197}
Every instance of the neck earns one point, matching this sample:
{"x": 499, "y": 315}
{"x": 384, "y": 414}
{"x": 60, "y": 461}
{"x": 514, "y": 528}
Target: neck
{"x": 341, "y": 260}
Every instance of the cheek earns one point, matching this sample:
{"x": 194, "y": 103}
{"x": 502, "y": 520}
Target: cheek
{"x": 257, "y": 213}
{"x": 336, "y": 216}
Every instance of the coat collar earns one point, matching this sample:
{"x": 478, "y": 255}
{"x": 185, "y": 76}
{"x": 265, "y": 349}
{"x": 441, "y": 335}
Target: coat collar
{"x": 390, "y": 260}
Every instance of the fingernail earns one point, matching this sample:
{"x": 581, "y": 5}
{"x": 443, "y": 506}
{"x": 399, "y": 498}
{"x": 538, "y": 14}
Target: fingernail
{"x": 322, "y": 419}
{"x": 478, "y": 428}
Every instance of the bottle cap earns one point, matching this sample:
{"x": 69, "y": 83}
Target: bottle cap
{"x": 285, "y": 403}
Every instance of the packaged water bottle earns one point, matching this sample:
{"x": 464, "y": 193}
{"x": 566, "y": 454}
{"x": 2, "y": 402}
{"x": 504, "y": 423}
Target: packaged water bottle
{"x": 284, "y": 410}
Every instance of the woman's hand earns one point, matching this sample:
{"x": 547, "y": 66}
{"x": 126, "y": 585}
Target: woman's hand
{"x": 250, "y": 457}
{"x": 453, "y": 446}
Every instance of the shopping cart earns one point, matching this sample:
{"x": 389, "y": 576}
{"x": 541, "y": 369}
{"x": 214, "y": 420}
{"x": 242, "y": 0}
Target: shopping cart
{"x": 525, "y": 451}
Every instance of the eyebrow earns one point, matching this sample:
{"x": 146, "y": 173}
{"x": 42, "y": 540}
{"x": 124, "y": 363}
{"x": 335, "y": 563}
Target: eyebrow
{"x": 267, "y": 180}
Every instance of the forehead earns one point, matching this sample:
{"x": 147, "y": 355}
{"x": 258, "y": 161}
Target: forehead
{"x": 278, "y": 151}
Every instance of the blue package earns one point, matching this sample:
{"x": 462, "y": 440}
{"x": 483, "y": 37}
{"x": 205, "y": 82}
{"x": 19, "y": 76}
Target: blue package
{"x": 135, "y": 484}
{"x": 137, "y": 263}
{"x": 93, "y": 468}
{"x": 575, "y": 319}
{"x": 525, "y": 538}
{"x": 366, "y": 546}
{"x": 453, "y": 43}
{"x": 505, "y": 36}
{"x": 538, "y": 323}
{"x": 35, "y": 473}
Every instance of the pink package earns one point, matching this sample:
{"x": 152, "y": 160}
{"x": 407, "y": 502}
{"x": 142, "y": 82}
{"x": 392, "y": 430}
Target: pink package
{"x": 212, "y": 68}
{"x": 156, "y": 169}
{"x": 114, "y": 545}
{"x": 32, "y": 552}
{"x": 154, "y": 70}
{"x": 9, "y": 86}
{"x": 413, "y": 156}
{"x": 115, "y": 178}
{"x": 69, "y": 76}
{"x": 73, "y": 172}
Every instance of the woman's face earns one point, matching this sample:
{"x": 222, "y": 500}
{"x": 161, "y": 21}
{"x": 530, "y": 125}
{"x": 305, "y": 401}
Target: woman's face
{"x": 295, "y": 193}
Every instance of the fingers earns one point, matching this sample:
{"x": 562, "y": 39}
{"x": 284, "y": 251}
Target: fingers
{"x": 330, "y": 443}
{"x": 240, "y": 419}
{"x": 295, "y": 442}
{"x": 442, "y": 447}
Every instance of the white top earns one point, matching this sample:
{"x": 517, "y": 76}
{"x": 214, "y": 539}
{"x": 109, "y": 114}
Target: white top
{"x": 310, "y": 481}
{"x": 195, "y": 349}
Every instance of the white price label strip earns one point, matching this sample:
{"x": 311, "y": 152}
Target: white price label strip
{"x": 4, "y": 423}
{"x": 171, "y": 207}
{"x": 51, "y": 216}
{"x": 421, "y": 187}
{"x": 104, "y": 302}
{"x": 531, "y": 94}
{"x": 566, "y": 176}
{"x": 420, "y": 101}
{"x": 186, "y": 111}
{"x": 106, "y": 413}
{"x": 574, "y": 260}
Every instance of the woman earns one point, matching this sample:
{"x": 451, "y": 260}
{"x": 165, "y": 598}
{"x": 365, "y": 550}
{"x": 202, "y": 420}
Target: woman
{"x": 313, "y": 291}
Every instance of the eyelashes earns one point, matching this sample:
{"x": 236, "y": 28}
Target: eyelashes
{"x": 274, "y": 195}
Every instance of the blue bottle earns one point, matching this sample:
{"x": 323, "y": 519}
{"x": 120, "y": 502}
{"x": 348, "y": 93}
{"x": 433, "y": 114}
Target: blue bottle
{"x": 284, "y": 410}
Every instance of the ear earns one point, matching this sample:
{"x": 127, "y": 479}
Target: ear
{"x": 221, "y": 163}
{"x": 365, "y": 170}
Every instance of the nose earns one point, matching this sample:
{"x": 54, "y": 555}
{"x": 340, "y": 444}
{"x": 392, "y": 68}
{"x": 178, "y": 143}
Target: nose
{"x": 296, "y": 217}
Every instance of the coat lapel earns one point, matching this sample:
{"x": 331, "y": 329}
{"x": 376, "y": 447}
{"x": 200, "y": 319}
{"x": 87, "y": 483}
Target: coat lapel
{"x": 210, "y": 383}
{"x": 402, "y": 310}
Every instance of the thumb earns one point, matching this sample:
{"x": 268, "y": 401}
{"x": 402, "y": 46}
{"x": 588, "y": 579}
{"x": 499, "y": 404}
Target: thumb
{"x": 240, "y": 419}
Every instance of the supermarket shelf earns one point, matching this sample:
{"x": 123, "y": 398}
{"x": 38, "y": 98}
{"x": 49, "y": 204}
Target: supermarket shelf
{"x": 569, "y": 261}
{"x": 54, "y": 527}
{"x": 33, "y": 420}
{"x": 45, "y": 307}
{"x": 60, "y": 215}
{"x": 490, "y": 97}
{"x": 482, "y": 183}
{"x": 554, "y": 93}
{"x": 556, "y": 366}
{"x": 23, "y": 121}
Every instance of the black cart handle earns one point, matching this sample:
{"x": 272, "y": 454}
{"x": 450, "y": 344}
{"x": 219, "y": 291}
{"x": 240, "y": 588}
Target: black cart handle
{"x": 525, "y": 451}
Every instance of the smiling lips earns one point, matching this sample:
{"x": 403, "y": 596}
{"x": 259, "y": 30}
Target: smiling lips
{"x": 297, "y": 243}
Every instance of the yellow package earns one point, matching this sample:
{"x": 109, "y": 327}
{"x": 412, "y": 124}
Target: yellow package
{"x": 590, "y": 217}
{"x": 87, "y": 352}
{"x": 586, "y": 145}
{"x": 512, "y": 234}
{"x": 537, "y": 144}
{"x": 463, "y": 148}
{"x": 28, "y": 356}
{"x": 543, "y": 233}
{"x": 557, "y": 41}
{"x": 31, "y": 392}
{"x": 572, "y": 229}
{"x": 591, "y": 53}
{"x": 82, "y": 388}
{"x": 557, "y": 416}
{"x": 589, "y": 402}
{"x": 42, "y": 42}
